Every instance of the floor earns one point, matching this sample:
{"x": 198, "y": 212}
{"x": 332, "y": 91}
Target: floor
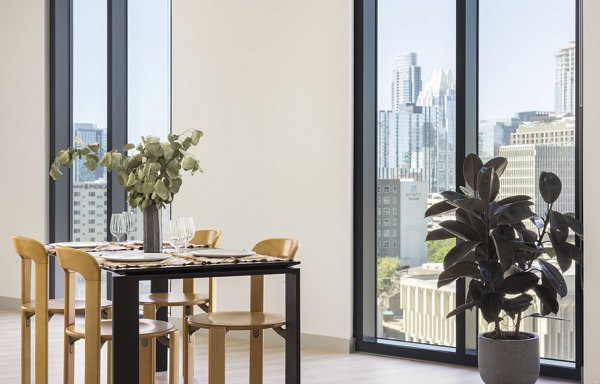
{"x": 317, "y": 366}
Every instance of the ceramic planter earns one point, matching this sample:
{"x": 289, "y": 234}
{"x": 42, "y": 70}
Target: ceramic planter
{"x": 152, "y": 230}
{"x": 509, "y": 361}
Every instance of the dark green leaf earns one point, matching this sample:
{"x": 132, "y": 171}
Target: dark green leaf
{"x": 490, "y": 306}
{"x": 559, "y": 227}
{"x": 472, "y": 205}
{"x": 491, "y": 272}
{"x": 459, "y": 229}
{"x": 525, "y": 247}
{"x": 471, "y": 168}
{"x": 517, "y": 304}
{"x": 439, "y": 234}
{"x": 518, "y": 283}
{"x": 575, "y": 225}
{"x": 463, "y": 269}
{"x": 487, "y": 184}
{"x": 461, "y": 309}
{"x": 550, "y": 187}
{"x": 554, "y": 277}
{"x": 453, "y": 196}
{"x": 547, "y": 297}
{"x": 576, "y": 253}
{"x": 540, "y": 316}
{"x": 563, "y": 254}
{"x": 476, "y": 290}
{"x": 513, "y": 215}
{"x": 439, "y": 208}
{"x": 498, "y": 163}
{"x": 459, "y": 252}
{"x": 513, "y": 199}
{"x": 504, "y": 251}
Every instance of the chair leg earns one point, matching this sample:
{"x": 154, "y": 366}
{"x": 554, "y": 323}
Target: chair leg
{"x": 25, "y": 349}
{"x": 256, "y": 357}
{"x": 174, "y": 357}
{"x": 187, "y": 344}
{"x": 69, "y": 361}
{"x": 148, "y": 350}
{"x": 216, "y": 355}
{"x": 109, "y": 362}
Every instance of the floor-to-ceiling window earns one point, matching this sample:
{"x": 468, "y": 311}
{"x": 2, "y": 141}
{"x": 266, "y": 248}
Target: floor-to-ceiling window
{"x": 436, "y": 80}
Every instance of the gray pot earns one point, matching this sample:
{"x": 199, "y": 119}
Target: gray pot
{"x": 152, "y": 230}
{"x": 509, "y": 361}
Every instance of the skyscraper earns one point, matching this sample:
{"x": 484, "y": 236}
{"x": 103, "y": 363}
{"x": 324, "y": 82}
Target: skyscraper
{"x": 406, "y": 80}
{"x": 565, "y": 80}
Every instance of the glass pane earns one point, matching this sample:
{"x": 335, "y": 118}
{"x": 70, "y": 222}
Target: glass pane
{"x": 89, "y": 119}
{"x": 526, "y": 105}
{"x": 415, "y": 161}
{"x": 148, "y": 81}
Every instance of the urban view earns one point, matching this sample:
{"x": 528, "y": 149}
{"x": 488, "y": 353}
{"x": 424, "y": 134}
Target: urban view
{"x": 416, "y": 161}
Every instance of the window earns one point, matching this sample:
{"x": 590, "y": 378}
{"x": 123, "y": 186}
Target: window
{"x": 430, "y": 89}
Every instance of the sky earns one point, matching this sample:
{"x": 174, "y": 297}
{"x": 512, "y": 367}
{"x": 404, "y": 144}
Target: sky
{"x": 148, "y": 65}
{"x": 517, "y": 43}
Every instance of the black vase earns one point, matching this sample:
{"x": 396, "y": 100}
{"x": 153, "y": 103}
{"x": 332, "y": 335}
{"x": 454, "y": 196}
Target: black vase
{"x": 152, "y": 229}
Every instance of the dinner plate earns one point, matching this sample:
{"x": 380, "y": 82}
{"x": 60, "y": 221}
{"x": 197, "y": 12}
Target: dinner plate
{"x": 81, "y": 244}
{"x": 220, "y": 252}
{"x": 136, "y": 257}
{"x": 140, "y": 242}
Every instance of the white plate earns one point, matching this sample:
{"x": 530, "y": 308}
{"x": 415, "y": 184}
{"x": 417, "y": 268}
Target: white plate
{"x": 136, "y": 257}
{"x": 141, "y": 242}
{"x": 81, "y": 244}
{"x": 219, "y": 252}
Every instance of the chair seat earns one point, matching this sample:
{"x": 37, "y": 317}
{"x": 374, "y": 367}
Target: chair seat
{"x": 148, "y": 329}
{"x": 237, "y": 320}
{"x": 58, "y": 306}
{"x": 167, "y": 299}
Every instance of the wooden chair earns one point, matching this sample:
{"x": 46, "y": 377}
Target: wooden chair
{"x": 255, "y": 320}
{"x": 43, "y": 308}
{"x": 187, "y": 299}
{"x": 95, "y": 331}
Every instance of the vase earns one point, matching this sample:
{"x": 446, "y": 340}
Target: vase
{"x": 152, "y": 229}
{"x": 509, "y": 361}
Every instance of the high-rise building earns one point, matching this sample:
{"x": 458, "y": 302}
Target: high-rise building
{"x": 557, "y": 132}
{"x": 89, "y": 133}
{"x": 493, "y": 134}
{"x": 406, "y": 80}
{"x": 438, "y": 103}
{"x": 566, "y": 66}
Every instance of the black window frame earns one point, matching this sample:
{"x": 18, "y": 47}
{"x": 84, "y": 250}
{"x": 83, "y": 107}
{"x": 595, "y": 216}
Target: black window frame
{"x": 364, "y": 240}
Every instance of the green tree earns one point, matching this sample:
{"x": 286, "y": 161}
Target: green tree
{"x": 437, "y": 250}
{"x": 388, "y": 270}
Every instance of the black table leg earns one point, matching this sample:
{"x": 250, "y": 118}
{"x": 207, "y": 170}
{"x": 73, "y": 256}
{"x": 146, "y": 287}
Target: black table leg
{"x": 292, "y": 327}
{"x": 156, "y": 286}
{"x": 125, "y": 330}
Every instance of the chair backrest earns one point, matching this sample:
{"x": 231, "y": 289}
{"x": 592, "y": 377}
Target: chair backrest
{"x": 30, "y": 249}
{"x": 210, "y": 237}
{"x": 277, "y": 247}
{"x": 72, "y": 261}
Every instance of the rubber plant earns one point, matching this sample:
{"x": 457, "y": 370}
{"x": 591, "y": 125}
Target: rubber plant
{"x": 151, "y": 174}
{"x": 505, "y": 248}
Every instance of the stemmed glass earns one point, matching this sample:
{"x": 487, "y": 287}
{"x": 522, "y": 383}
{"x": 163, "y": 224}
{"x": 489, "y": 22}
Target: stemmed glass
{"x": 117, "y": 226}
{"x": 177, "y": 234}
{"x": 190, "y": 231}
{"x": 129, "y": 218}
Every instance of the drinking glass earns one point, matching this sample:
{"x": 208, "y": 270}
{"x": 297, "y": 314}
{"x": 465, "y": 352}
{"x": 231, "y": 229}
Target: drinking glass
{"x": 117, "y": 226}
{"x": 129, "y": 218}
{"x": 177, "y": 234}
{"x": 190, "y": 231}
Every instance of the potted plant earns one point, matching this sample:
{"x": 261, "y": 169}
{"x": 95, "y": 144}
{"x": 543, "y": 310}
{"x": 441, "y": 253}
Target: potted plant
{"x": 151, "y": 173}
{"x": 508, "y": 254}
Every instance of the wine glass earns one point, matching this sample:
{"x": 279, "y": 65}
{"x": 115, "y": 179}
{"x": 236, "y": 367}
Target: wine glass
{"x": 190, "y": 231}
{"x": 177, "y": 234}
{"x": 117, "y": 226}
{"x": 129, "y": 218}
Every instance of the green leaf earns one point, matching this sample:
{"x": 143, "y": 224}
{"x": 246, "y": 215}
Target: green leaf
{"x": 504, "y": 251}
{"x": 106, "y": 160}
{"x": 95, "y": 147}
{"x": 476, "y": 289}
{"x": 498, "y": 163}
{"x": 563, "y": 254}
{"x": 491, "y": 272}
{"x": 188, "y": 163}
{"x": 488, "y": 184}
{"x": 518, "y": 283}
{"x": 490, "y": 306}
{"x": 127, "y": 147}
{"x": 471, "y": 167}
{"x": 517, "y": 304}
{"x": 559, "y": 227}
{"x": 439, "y": 208}
{"x": 462, "y": 269}
{"x": 175, "y": 185}
{"x": 153, "y": 149}
{"x": 550, "y": 187}
{"x": 554, "y": 277}
{"x": 513, "y": 215}
{"x": 173, "y": 168}
{"x": 575, "y": 225}
{"x": 513, "y": 199}
{"x": 196, "y": 135}
{"x": 55, "y": 172}
{"x": 161, "y": 190}
{"x": 91, "y": 162}
{"x": 459, "y": 252}
{"x": 439, "y": 234}
{"x": 547, "y": 297}
{"x": 460, "y": 229}
{"x": 63, "y": 157}
{"x": 461, "y": 309}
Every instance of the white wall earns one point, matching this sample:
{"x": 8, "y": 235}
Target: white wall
{"x": 23, "y": 132}
{"x": 269, "y": 82}
{"x": 591, "y": 188}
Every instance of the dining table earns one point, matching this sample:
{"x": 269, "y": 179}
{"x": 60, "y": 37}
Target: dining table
{"x": 124, "y": 288}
